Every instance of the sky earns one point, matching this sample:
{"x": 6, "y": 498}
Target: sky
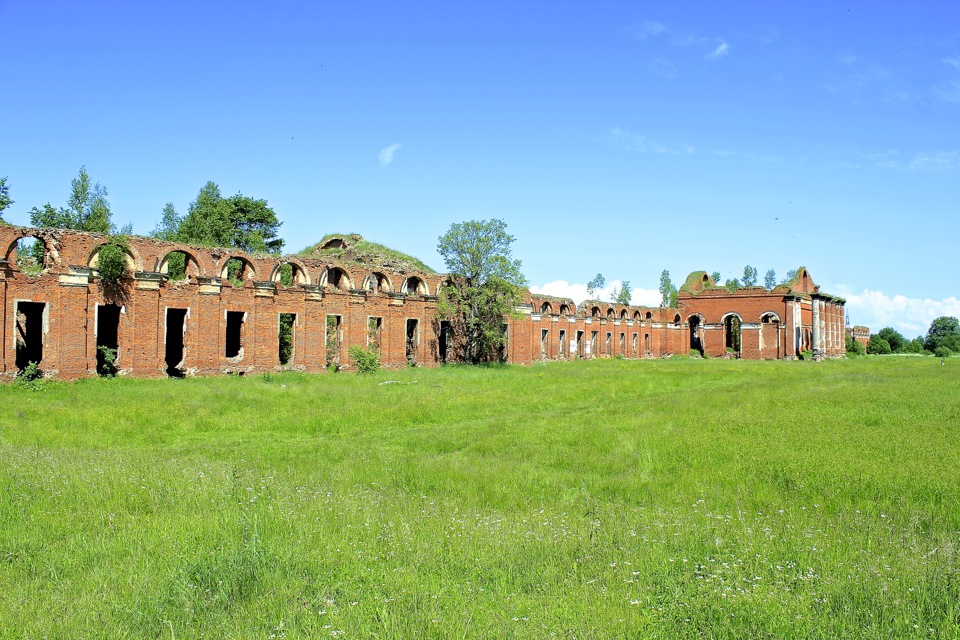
{"x": 621, "y": 138}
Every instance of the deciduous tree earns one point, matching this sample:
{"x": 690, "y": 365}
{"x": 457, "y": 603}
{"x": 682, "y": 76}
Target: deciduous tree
{"x": 668, "y": 292}
{"x": 5, "y": 200}
{"x": 749, "y": 276}
{"x": 770, "y": 279}
{"x": 944, "y": 332}
{"x": 484, "y": 289}
{"x": 239, "y": 221}
{"x": 595, "y": 285}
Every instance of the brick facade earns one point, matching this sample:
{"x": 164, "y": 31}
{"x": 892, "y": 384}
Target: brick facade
{"x": 60, "y": 312}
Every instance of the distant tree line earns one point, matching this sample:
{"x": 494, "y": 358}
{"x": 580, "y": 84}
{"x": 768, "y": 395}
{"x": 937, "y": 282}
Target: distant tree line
{"x": 942, "y": 339}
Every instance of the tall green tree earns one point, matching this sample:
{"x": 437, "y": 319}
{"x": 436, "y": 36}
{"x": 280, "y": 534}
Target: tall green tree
{"x": 668, "y": 292}
{"x": 894, "y": 338}
{"x": 485, "y": 286}
{"x": 624, "y": 294}
{"x": 770, "y": 279}
{"x": 87, "y": 209}
{"x": 715, "y": 276}
{"x": 944, "y": 333}
{"x": 169, "y": 226}
{"x": 239, "y": 221}
{"x": 5, "y": 200}
{"x": 595, "y": 285}
{"x": 749, "y": 276}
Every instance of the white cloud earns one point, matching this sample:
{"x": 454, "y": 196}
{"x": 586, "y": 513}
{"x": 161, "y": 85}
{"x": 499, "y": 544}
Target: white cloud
{"x": 663, "y": 68}
{"x": 909, "y": 316}
{"x": 578, "y": 292}
{"x": 649, "y": 30}
{"x": 953, "y": 62}
{"x": 919, "y": 161}
{"x": 386, "y": 154}
{"x": 722, "y": 49}
{"x": 641, "y": 144}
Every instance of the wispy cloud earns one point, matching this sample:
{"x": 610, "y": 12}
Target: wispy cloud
{"x": 386, "y": 154}
{"x": 953, "y": 62}
{"x": 578, "y": 292}
{"x": 910, "y": 316}
{"x": 649, "y": 30}
{"x": 722, "y": 49}
{"x": 641, "y": 144}
{"x": 663, "y": 68}
{"x": 918, "y": 161}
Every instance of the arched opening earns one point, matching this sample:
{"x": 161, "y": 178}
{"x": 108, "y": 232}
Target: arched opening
{"x": 236, "y": 271}
{"x": 623, "y": 314}
{"x": 546, "y": 308}
{"x": 179, "y": 265}
{"x": 414, "y": 286}
{"x": 731, "y": 333}
{"x": 637, "y": 316}
{"x": 335, "y": 243}
{"x": 28, "y": 255}
{"x": 564, "y": 310}
{"x": 377, "y": 281}
{"x": 611, "y": 314}
{"x": 290, "y": 273}
{"x": 696, "y": 339}
{"x": 595, "y": 312}
{"x": 770, "y": 318}
{"x": 677, "y": 319}
{"x": 337, "y": 278}
{"x": 649, "y": 315}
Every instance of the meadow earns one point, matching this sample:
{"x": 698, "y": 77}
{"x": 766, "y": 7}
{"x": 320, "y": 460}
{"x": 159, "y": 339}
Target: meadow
{"x": 604, "y": 499}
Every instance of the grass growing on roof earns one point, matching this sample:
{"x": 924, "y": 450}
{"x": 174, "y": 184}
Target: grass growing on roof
{"x": 613, "y": 498}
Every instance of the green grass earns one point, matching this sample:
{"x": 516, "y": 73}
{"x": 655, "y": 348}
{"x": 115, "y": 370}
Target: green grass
{"x": 669, "y": 499}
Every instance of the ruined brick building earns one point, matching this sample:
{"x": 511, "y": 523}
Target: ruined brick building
{"x": 232, "y": 312}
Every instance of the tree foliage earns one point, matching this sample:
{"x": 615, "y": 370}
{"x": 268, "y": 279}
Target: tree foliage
{"x": 5, "y": 200}
{"x": 749, "y": 276}
{"x": 87, "y": 209}
{"x": 484, "y": 288}
{"x": 732, "y": 285}
{"x": 668, "y": 292}
{"x": 112, "y": 260}
{"x": 855, "y": 347}
{"x": 624, "y": 294}
{"x": 944, "y": 332}
{"x": 878, "y": 346}
{"x": 595, "y": 285}
{"x": 770, "y": 279}
{"x": 715, "y": 276}
{"x": 894, "y": 338}
{"x": 239, "y": 221}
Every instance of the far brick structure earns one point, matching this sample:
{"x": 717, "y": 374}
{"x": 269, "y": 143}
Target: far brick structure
{"x": 58, "y": 313}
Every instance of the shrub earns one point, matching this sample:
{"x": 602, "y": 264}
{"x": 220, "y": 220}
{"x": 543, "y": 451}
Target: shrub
{"x": 366, "y": 359}
{"x": 855, "y": 347}
{"x": 30, "y": 377}
{"x": 943, "y": 352}
{"x": 106, "y": 360}
{"x": 112, "y": 260}
{"x": 878, "y": 346}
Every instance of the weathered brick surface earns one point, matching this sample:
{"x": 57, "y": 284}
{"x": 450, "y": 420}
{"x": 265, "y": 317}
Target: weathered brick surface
{"x": 773, "y": 324}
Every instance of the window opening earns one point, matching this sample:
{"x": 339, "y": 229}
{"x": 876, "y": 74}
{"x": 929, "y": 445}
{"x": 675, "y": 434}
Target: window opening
{"x": 108, "y": 339}
{"x": 374, "y": 330}
{"x": 544, "y": 336}
{"x": 176, "y": 329}
{"x": 29, "y": 333}
{"x": 412, "y": 340}
{"x": 563, "y": 340}
{"x": 446, "y": 332}
{"x": 334, "y": 339}
{"x": 234, "y": 337}
{"x": 285, "y": 340}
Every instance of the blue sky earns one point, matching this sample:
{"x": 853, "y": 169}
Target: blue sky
{"x": 621, "y": 138}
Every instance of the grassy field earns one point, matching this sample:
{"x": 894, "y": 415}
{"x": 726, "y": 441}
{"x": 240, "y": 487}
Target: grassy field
{"x": 668, "y": 499}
